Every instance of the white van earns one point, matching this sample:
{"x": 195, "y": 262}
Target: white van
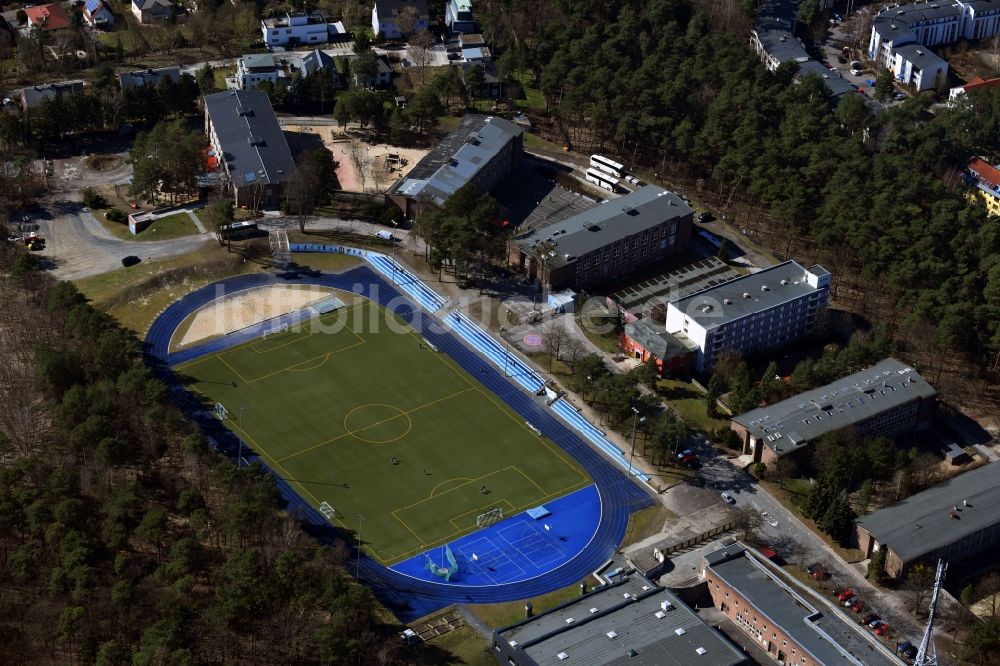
{"x": 385, "y": 235}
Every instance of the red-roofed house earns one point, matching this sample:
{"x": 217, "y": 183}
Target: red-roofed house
{"x": 987, "y": 181}
{"x": 47, "y": 17}
{"x": 975, "y": 84}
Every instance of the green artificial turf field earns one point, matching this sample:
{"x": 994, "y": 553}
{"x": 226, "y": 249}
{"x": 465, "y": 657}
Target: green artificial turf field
{"x": 329, "y": 409}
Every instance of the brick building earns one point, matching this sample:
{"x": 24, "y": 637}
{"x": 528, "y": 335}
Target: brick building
{"x": 482, "y": 150}
{"x": 673, "y": 354}
{"x": 954, "y": 520}
{"x": 783, "y": 618}
{"x": 888, "y": 399}
{"x": 605, "y": 242}
{"x": 631, "y": 621}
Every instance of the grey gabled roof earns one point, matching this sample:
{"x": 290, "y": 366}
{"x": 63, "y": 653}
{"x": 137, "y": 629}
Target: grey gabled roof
{"x": 633, "y": 612}
{"x": 923, "y": 523}
{"x": 749, "y": 294}
{"x": 831, "y": 79}
{"x": 250, "y": 137}
{"x": 788, "y": 424}
{"x": 828, "y": 637}
{"x": 148, "y": 77}
{"x": 458, "y": 157}
{"x": 574, "y": 237}
{"x": 33, "y": 96}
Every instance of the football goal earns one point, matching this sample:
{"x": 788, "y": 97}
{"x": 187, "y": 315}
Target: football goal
{"x": 274, "y": 331}
{"x": 221, "y": 412}
{"x": 494, "y": 515}
{"x": 326, "y": 510}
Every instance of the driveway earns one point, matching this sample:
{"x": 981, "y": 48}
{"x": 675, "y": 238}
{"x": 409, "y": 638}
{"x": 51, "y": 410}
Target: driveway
{"x": 78, "y": 246}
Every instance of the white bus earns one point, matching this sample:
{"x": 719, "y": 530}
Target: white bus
{"x": 607, "y": 165}
{"x": 602, "y": 180}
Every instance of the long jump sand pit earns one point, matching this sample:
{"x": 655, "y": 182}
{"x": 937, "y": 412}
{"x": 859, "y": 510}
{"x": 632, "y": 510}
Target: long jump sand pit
{"x": 246, "y": 308}
{"x": 381, "y": 164}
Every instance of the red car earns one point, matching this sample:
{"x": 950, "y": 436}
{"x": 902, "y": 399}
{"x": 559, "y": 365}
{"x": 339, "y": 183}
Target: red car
{"x": 858, "y": 606}
{"x": 882, "y": 629}
{"x": 846, "y": 594}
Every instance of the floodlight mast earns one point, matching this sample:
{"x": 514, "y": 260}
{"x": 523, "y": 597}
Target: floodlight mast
{"x": 927, "y": 653}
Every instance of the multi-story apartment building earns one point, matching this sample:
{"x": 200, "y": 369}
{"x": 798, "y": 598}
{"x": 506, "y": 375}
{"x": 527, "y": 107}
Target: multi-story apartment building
{"x": 986, "y": 180}
{"x": 785, "y": 619}
{"x": 458, "y": 16}
{"x": 954, "y": 520}
{"x": 605, "y": 242}
{"x": 901, "y": 36}
{"x": 255, "y": 68}
{"x": 888, "y": 399}
{"x": 301, "y": 28}
{"x": 752, "y": 312}
{"x": 252, "y": 151}
{"x": 397, "y": 19}
{"x": 482, "y": 150}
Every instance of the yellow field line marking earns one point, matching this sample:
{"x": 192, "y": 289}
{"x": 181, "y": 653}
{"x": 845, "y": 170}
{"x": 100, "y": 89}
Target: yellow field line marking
{"x": 296, "y": 368}
{"x": 478, "y": 478}
{"x": 235, "y": 371}
{"x": 377, "y": 423}
{"x": 480, "y": 509}
{"x": 401, "y": 522}
{"x": 459, "y": 478}
{"x": 308, "y": 334}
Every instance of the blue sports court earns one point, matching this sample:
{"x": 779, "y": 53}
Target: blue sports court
{"x": 517, "y": 548}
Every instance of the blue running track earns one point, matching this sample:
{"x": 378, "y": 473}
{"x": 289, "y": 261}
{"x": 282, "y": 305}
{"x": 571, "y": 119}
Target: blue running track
{"x": 407, "y": 596}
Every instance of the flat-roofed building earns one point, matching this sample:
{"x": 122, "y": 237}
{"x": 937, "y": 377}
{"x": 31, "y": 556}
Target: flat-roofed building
{"x": 954, "y": 520}
{"x": 251, "y": 148}
{"x": 148, "y": 77}
{"x": 605, "y": 242}
{"x": 482, "y": 150}
{"x": 632, "y": 621}
{"x": 785, "y": 619}
{"x": 887, "y": 399}
{"x": 765, "y": 309}
{"x": 649, "y": 298}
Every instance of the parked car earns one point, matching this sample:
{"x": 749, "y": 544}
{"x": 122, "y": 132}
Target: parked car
{"x": 845, "y": 595}
{"x": 728, "y": 499}
{"x": 817, "y": 572}
{"x": 849, "y": 601}
{"x": 130, "y": 260}
{"x": 683, "y": 454}
{"x": 907, "y": 649}
{"x": 875, "y": 623}
{"x": 882, "y": 629}
{"x": 858, "y": 606}
{"x": 899, "y": 96}
{"x": 869, "y": 618}
{"x": 705, "y": 217}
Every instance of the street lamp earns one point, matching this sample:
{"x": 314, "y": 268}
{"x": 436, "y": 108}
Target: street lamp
{"x": 239, "y": 460}
{"x": 395, "y": 225}
{"x": 357, "y": 567}
{"x": 635, "y": 422}
{"x": 506, "y": 355}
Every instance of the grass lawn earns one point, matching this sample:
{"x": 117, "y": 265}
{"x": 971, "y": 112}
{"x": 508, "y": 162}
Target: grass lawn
{"x": 689, "y": 403}
{"x": 167, "y": 227}
{"x": 118, "y": 230}
{"x": 467, "y": 645}
{"x": 533, "y": 96}
{"x": 136, "y": 295}
{"x": 535, "y": 142}
{"x": 219, "y": 75}
{"x": 502, "y": 615}
{"x": 333, "y": 439}
{"x": 646, "y": 522}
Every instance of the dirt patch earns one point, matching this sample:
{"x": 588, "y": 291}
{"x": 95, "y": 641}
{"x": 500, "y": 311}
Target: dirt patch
{"x": 246, "y": 309}
{"x": 380, "y": 164}
{"x": 102, "y": 162}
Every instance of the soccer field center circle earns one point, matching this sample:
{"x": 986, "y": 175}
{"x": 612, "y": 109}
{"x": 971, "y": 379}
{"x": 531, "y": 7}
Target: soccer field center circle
{"x": 376, "y": 423}
{"x": 411, "y": 594}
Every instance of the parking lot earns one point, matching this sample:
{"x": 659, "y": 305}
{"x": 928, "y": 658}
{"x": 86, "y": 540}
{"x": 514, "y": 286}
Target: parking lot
{"x": 852, "y": 32}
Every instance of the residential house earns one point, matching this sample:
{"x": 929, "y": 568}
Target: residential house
{"x": 296, "y": 28}
{"x": 97, "y": 15}
{"x": 790, "y": 622}
{"x": 605, "y": 242}
{"x": 630, "y": 619}
{"x": 976, "y": 84}
{"x": 458, "y": 16}
{"x": 955, "y": 520}
{"x": 34, "y": 96}
{"x": 382, "y": 78}
{"x": 482, "y": 150}
{"x": 492, "y": 86}
{"x": 887, "y": 399}
{"x": 752, "y": 312}
{"x": 153, "y": 11}
{"x": 252, "y": 150}
{"x": 255, "y": 68}
{"x": 913, "y": 64}
{"x": 148, "y": 77}
{"x": 986, "y": 179}
{"x": 397, "y": 19}
{"x": 47, "y": 17}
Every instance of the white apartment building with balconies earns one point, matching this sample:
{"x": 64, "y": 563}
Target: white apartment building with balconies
{"x": 765, "y": 309}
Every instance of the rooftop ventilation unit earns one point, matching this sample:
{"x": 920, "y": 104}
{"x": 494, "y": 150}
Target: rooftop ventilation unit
{"x": 764, "y": 287}
{"x": 701, "y": 650}
{"x": 784, "y": 282}
{"x": 706, "y": 308}
{"x": 746, "y": 294}
{"x": 727, "y": 301}
{"x": 612, "y": 634}
{"x": 562, "y": 656}
{"x": 680, "y": 631}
